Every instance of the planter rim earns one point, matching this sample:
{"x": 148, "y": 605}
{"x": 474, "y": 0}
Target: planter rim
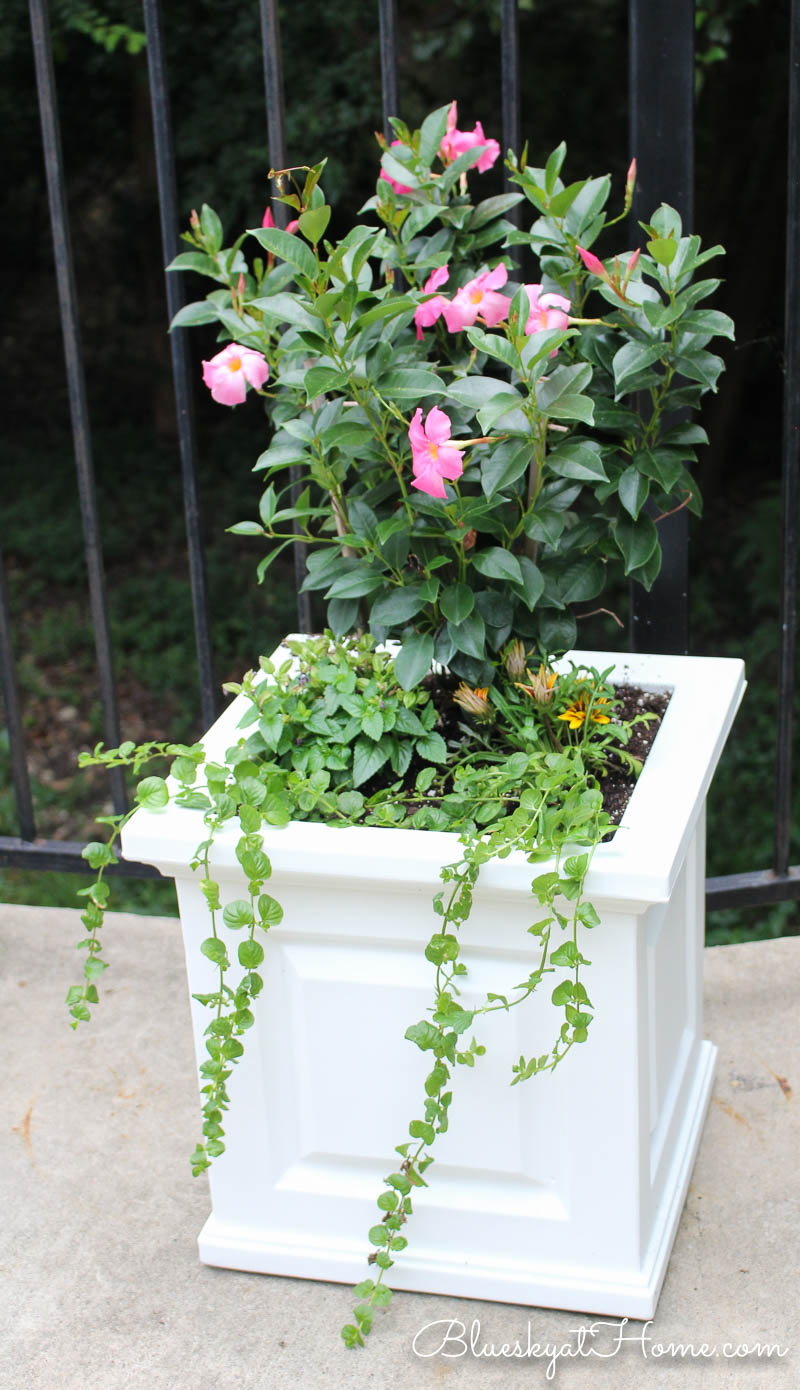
{"x": 639, "y": 865}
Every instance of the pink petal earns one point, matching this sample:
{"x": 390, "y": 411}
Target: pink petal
{"x": 460, "y": 312}
{"x": 255, "y": 367}
{"x": 429, "y": 481}
{"x": 416, "y": 433}
{"x": 490, "y": 155}
{"x": 427, "y": 313}
{"x": 292, "y": 226}
{"x": 436, "y": 279}
{"x": 449, "y": 461}
{"x": 494, "y": 308}
{"x": 437, "y": 426}
{"x": 555, "y": 301}
{"x": 494, "y": 279}
{"x": 268, "y": 220}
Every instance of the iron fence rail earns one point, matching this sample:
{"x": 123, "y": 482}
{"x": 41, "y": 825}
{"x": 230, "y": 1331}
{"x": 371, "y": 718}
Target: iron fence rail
{"x": 661, "y": 78}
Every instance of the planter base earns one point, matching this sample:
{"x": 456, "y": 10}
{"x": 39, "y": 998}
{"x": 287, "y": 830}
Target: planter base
{"x": 617, "y": 1292}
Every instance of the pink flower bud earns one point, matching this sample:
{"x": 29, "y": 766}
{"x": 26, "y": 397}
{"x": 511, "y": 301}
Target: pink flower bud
{"x": 268, "y": 220}
{"x": 293, "y": 225}
{"x": 630, "y": 181}
{"x": 592, "y": 263}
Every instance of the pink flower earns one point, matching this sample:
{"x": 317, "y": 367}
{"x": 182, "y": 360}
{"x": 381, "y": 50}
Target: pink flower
{"x": 432, "y": 457}
{"x": 478, "y": 299}
{"x": 547, "y": 310}
{"x": 456, "y": 142}
{"x": 427, "y": 313}
{"x": 592, "y": 263}
{"x": 398, "y": 187}
{"x": 269, "y": 221}
{"x": 227, "y": 374}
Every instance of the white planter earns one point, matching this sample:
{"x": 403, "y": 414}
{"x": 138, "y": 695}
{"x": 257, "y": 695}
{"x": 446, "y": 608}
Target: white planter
{"x": 565, "y": 1191}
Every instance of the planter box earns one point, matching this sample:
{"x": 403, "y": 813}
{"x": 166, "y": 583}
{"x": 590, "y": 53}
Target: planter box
{"x": 564, "y": 1191}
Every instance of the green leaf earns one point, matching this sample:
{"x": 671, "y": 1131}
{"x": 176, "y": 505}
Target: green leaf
{"x": 507, "y": 462}
{"x": 357, "y": 582}
{"x": 573, "y": 407}
{"x": 313, "y": 224}
{"x": 474, "y": 391}
{"x": 270, "y": 912}
{"x": 583, "y": 580}
{"x": 457, "y": 602}
{"x": 490, "y": 208}
{"x": 469, "y": 636}
{"x": 413, "y": 661}
{"x": 633, "y": 488}
{"x": 319, "y": 380}
{"x": 152, "y": 793}
{"x": 633, "y": 359}
{"x": 637, "y": 540}
{"x": 552, "y": 168}
{"x": 97, "y": 854}
{"x": 410, "y": 384}
{"x": 215, "y": 950}
{"x": 432, "y": 748}
{"x": 192, "y": 314}
{"x": 287, "y": 308}
{"x": 369, "y": 758}
{"x": 708, "y": 321}
{"x": 238, "y": 914}
{"x": 397, "y": 606}
{"x": 431, "y": 133}
{"x": 388, "y": 308}
{"x": 579, "y": 459}
{"x": 251, "y": 953}
{"x": 289, "y": 247}
{"x": 497, "y": 563}
{"x": 347, "y": 434}
{"x": 566, "y": 954}
{"x": 663, "y": 250}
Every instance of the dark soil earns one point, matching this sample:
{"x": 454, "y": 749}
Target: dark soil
{"x": 617, "y": 786}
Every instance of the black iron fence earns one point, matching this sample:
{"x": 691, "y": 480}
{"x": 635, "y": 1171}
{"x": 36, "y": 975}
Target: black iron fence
{"x": 661, "y": 87}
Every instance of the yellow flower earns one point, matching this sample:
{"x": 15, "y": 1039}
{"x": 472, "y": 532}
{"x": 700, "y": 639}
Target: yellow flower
{"x": 541, "y": 685}
{"x": 575, "y": 715}
{"x": 474, "y": 702}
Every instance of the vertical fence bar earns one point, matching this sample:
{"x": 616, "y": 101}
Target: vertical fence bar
{"x": 387, "y": 18}
{"x": 76, "y": 383}
{"x": 789, "y": 482}
{"x": 184, "y": 404}
{"x": 509, "y": 77}
{"x": 661, "y": 66}
{"x": 19, "y": 770}
{"x": 278, "y": 156}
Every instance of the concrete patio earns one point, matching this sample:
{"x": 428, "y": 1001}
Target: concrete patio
{"x": 101, "y": 1288}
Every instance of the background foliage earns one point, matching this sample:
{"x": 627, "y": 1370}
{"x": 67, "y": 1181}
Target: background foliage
{"x": 575, "y": 63}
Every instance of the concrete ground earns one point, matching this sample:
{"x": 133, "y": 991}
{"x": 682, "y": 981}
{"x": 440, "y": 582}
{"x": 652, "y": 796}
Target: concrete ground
{"x": 101, "y": 1287}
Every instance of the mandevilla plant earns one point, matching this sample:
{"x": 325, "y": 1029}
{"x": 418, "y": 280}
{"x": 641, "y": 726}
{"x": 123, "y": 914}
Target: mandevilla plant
{"x": 471, "y": 456}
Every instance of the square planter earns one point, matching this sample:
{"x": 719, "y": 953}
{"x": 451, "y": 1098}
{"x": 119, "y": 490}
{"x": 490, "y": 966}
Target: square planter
{"x": 564, "y": 1191}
